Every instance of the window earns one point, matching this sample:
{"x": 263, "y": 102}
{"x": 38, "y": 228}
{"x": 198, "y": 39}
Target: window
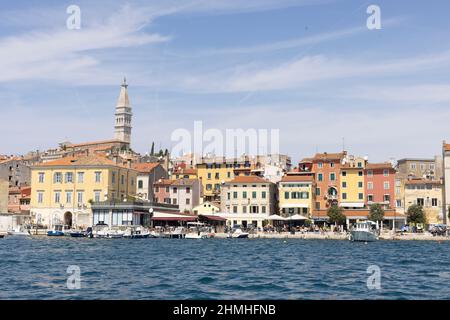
{"x": 228, "y": 174}
{"x": 344, "y": 196}
{"x": 263, "y": 209}
{"x": 156, "y": 189}
{"x": 98, "y": 176}
{"x": 370, "y": 198}
{"x": 209, "y": 187}
{"x": 420, "y": 201}
{"x": 286, "y": 195}
{"x": 320, "y": 177}
{"x": 80, "y": 197}
{"x": 57, "y": 197}
{"x": 40, "y": 196}
{"x": 332, "y": 176}
{"x": 360, "y": 173}
{"x": 386, "y": 172}
{"x": 41, "y": 177}
{"x": 68, "y": 196}
{"x": 434, "y": 202}
{"x": 113, "y": 177}
{"x": 344, "y": 184}
{"x": 122, "y": 179}
{"x": 359, "y": 164}
{"x": 57, "y": 178}
{"x": 360, "y": 184}
{"x": 140, "y": 184}
{"x": 228, "y": 196}
{"x": 174, "y": 201}
{"x": 386, "y": 198}
{"x": 234, "y": 209}
{"x": 369, "y": 185}
{"x": 254, "y": 195}
{"x": 217, "y": 176}
{"x": 344, "y": 173}
{"x": 68, "y": 177}
{"x": 369, "y": 173}
{"x": 188, "y": 190}
{"x": 235, "y": 195}
{"x": 320, "y": 165}
{"x": 412, "y": 166}
{"x": 209, "y": 175}
{"x": 386, "y": 185}
{"x": 80, "y": 178}
{"x": 244, "y": 194}
{"x": 167, "y": 189}
{"x": 317, "y": 191}
{"x": 398, "y": 203}
{"x": 263, "y": 194}
{"x": 360, "y": 196}
{"x": 175, "y": 189}
{"x": 188, "y": 201}
{"x": 332, "y": 165}
{"x": 97, "y": 196}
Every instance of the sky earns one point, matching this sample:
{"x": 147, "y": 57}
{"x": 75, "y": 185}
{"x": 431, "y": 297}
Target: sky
{"x": 311, "y": 69}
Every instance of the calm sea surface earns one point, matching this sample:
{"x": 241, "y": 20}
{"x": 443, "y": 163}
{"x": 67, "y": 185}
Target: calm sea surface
{"x": 222, "y": 269}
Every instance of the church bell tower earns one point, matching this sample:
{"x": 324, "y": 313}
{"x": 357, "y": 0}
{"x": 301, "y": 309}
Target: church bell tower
{"x": 122, "y": 127}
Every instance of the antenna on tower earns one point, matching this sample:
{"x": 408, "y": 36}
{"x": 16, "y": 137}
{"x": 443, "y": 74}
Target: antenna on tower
{"x": 343, "y": 144}
{"x": 124, "y": 83}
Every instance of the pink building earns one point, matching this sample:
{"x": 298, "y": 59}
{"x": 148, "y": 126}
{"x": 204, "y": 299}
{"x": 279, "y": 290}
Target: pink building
{"x": 162, "y": 191}
{"x": 380, "y": 184}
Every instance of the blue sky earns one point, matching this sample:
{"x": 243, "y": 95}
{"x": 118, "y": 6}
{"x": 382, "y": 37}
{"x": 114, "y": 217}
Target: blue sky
{"x": 309, "y": 68}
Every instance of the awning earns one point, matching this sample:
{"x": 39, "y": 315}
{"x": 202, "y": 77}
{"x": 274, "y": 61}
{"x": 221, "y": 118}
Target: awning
{"x": 275, "y": 217}
{"x": 215, "y": 218}
{"x": 297, "y": 217}
{"x": 193, "y": 218}
{"x": 352, "y": 204}
{"x": 294, "y": 205}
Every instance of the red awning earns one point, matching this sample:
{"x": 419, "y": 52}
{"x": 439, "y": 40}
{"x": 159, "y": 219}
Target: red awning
{"x": 216, "y": 218}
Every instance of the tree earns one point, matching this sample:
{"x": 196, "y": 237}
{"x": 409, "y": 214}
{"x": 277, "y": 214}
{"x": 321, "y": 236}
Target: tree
{"x": 415, "y": 214}
{"x": 376, "y": 212}
{"x": 336, "y": 214}
{"x": 152, "y": 150}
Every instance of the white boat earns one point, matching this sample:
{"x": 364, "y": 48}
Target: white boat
{"x": 114, "y": 234}
{"x": 175, "y": 233}
{"x": 19, "y": 231}
{"x": 136, "y": 232}
{"x": 365, "y": 231}
{"x": 238, "y": 234}
{"x": 198, "y": 230}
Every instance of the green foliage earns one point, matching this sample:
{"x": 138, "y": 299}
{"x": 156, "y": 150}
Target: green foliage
{"x": 376, "y": 212}
{"x": 336, "y": 215}
{"x": 415, "y": 214}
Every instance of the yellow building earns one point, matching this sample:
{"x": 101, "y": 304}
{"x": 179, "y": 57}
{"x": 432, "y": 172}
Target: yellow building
{"x": 187, "y": 173}
{"x": 296, "y": 195}
{"x": 427, "y": 194}
{"x": 352, "y": 183}
{"x": 206, "y": 208}
{"x": 213, "y": 173}
{"x": 62, "y": 190}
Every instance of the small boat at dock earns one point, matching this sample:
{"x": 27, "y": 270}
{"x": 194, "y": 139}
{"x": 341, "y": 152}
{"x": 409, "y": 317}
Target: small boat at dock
{"x": 198, "y": 230}
{"x": 238, "y": 234}
{"x": 366, "y": 231}
{"x": 19, "y": 231}
{"x": 137, "y": 232}
{"x": 58, "y": 230}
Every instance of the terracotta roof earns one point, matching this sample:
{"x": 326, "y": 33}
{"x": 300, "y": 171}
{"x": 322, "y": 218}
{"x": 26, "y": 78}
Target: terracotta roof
{"x": 446, "y": 146}
{"x": 164, "y": 182}
{"x": 295, "y": 178}
{"x": 146, "y": 167}
{"x": 87, "y": 160}
{"x": 328, "y": 156}
{"x": 249, "y": 179}
{"x": 185, "y": 171}
{"x": 384, "y": 165}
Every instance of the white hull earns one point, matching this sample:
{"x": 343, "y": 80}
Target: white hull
{"x": 18, "y": 234}
{"x": 196, "y": 235}
{"x": 364, "y": 236}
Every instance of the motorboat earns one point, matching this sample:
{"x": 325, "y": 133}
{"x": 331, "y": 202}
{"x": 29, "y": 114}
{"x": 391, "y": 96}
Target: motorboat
{"x": 198, "y": 230}
{"x": 114, "y": 233}
{"x": 138, "y": 232}
{"x": 58, "y": 231}
{"x": 238, "y": 234}
{"x": 175, "y": 233}
{"x": 78, "y": 234}
{"x": 366, "y": 231}
{"x": 19, "y": 231}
